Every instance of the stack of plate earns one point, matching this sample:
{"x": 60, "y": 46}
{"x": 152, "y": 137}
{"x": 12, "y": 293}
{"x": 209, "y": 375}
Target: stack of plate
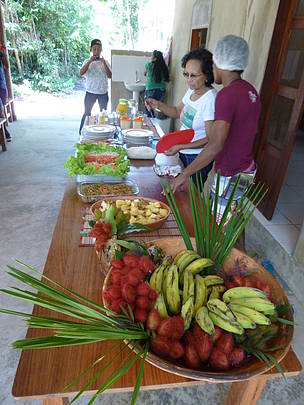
{"x": 139, "y": 137}
{"x": 98, "y": 132}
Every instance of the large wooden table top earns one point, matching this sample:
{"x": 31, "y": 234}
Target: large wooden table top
{"x": 44, "y": 373}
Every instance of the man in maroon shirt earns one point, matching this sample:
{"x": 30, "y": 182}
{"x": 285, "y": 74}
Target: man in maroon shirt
{"x": 237, "y": 109}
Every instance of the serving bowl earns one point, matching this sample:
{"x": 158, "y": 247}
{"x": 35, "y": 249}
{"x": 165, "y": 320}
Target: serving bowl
{"x": 154, "y": 225}
{"x": 252, "y": 367}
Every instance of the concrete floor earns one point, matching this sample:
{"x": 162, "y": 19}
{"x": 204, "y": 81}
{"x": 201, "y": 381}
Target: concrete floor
{"x": 32, "y": 183}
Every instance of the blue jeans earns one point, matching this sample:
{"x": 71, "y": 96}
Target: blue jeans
{"x": 187, "y": 159}
{"x": 89, "y": 101}
{"x": 157, "y": 94}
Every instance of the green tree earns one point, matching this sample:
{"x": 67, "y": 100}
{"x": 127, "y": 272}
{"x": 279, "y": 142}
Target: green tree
{"x": 47, "y": 40}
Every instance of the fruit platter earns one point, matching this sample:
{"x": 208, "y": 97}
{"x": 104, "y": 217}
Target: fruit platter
{"x": 98, "y": 159}
{"x": 202, "y": 326}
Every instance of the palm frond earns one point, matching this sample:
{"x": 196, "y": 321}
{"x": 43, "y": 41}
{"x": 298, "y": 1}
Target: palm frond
{"x": 215, "y": 238}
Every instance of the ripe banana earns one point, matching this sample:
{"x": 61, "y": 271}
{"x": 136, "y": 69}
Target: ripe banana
{"x": 172, "y": 291}
{"x": 157, "y": 275}
{"x": 220, "y": 308}
{"x": 257, "y": 303}
{"x": 200, "y": 293}
{"x": 204, "y": 321}
{"x": 187, "y": 312}
{"x": 214, "y": 293}
{"x": 160, "y": 306}
{"x": 199, "y": 264}
{"x": 242, "y": 292}
{"x": 230, "y": 326}
{"x": 188, "y": 289}
{"x": 244, "y": 321}
{"x": 210, "y": 281}
{"x": 180, "y": 254}
{"x": 255, "y": 316}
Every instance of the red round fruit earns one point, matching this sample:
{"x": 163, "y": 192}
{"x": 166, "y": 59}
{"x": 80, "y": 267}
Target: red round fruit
{"x": 153, "y": 320}
{"x": 191, "y": 357}
{"x": 135, "y": 277}
{"x": 219, "y": 360}
{"x": 130, "y": 260}
{"x": 128, "y": 293}
{"x": 142, "y": 302}
{"x": 237, "y": 357}
{"x": 140, "y": 315}
{"x": 160, "y": 345}
{"x": 116, "y": 264}
{"x": 146, "y": 264}
{"x": 114, "y": 291}
{"x": 143, "y": 289}
{"x": 217, "y": 333}
{"x": 153, "y": 295}
{"x": 176, "y": 350}
{"x": 225, "y": 343}
{"x": 116, "y": 277}
{"x": 178, "y": 327}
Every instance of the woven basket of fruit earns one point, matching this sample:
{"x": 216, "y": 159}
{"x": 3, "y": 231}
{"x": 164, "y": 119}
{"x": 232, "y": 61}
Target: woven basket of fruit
{"x": 195, "y": 307}
{"x": 203, "y": 326}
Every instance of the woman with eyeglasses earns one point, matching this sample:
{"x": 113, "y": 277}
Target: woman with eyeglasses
{"x": 196, "y": 109}
{"x": 157, "y": 75}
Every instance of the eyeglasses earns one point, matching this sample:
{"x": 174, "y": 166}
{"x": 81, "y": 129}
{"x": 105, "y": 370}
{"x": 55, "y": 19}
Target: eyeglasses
{"x": 191, "y": 75}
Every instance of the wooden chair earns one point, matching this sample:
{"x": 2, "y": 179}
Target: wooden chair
{"x": 2, "y": 134}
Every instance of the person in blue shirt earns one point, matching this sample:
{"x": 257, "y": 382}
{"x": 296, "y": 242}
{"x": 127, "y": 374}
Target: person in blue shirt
{"x": 3, "y": 88}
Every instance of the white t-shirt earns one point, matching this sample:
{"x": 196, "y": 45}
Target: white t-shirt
{"x": 195, "y": 113}
{"x": 96, "y": 77}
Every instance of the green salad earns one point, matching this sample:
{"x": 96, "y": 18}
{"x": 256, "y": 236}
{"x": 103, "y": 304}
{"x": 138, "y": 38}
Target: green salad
{"x": 98, "y": 159}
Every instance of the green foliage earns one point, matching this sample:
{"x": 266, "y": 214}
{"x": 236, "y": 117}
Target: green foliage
{"x": 47, "y": 41}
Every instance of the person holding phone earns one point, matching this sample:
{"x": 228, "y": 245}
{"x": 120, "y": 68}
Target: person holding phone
{"x": 97, "y": 71}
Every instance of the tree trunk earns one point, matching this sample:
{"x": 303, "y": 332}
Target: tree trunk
{"x": 129, "y": 24}
{"x": 19, "y": 65}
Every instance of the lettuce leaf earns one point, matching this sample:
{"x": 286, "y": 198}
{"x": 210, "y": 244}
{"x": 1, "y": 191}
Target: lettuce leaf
{"x": 76, "y": 164}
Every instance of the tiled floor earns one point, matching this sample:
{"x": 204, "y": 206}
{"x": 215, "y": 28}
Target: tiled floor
{"x": 288, "y": 217}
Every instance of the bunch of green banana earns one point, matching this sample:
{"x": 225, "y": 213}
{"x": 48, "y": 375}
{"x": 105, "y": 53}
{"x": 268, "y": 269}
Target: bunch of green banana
{"x": 222, "y": 316}
{"x": 191, "y": 261}
{"x": 172, "y": 291}
{"x": 250, "y": 303}
{"x": 156, "y": 279}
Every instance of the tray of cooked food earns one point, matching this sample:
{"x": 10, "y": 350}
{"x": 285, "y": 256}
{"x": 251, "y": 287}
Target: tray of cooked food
{"x": 98, "y": 162}
{"x": 146, "y": 211}
{"x": 90, "y": 192}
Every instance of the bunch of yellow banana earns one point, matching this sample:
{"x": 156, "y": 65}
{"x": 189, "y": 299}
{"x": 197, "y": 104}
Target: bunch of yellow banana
{"x": 156, "y": 280}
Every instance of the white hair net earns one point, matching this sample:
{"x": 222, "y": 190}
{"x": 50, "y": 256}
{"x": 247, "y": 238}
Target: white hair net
{"x": 231, "y": 53}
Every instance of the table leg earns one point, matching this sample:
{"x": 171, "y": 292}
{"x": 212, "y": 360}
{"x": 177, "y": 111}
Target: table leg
{"x": 55, "y": 401}
{"x": 245, "y": 392}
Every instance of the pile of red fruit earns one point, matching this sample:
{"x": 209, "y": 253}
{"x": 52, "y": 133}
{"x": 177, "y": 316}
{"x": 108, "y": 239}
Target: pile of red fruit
{"x": 128, "y": 286}
{"x": 196, "y": 348}
{"x": 102, "y": 232}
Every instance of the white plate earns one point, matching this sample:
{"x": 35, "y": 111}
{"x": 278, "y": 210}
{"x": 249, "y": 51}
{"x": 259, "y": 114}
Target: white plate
{"x": 137, "y": 133}
{"x": 99, "y": 129}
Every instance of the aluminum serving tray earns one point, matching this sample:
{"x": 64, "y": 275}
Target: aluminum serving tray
{"x": 97, "y": 197}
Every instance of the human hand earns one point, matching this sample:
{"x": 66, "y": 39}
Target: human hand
{"x": 179, "y": 183}
{"x": 172, "y": 151}
{"x": 152, "y": 103}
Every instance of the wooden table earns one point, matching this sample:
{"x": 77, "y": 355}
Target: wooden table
{"x": 42, "y": 374}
